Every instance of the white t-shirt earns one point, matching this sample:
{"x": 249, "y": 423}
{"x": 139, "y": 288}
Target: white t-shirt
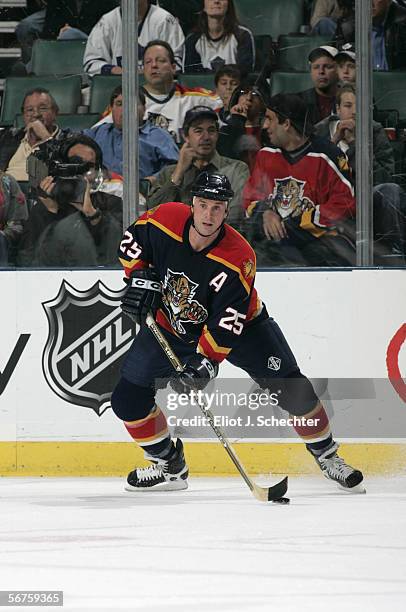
{"x": 104, "y": 46}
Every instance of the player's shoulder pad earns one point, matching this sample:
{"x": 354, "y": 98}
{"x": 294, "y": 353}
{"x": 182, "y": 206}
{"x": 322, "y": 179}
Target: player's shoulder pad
{"x": 234, "y": 252}
{"x": 169, "y": 217}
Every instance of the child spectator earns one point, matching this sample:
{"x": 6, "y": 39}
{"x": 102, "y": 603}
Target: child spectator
{"x": 226, "y": 80}
{"x": 346, "y": 66}
{"x": 388, "y": 198}
{"x": 242, "y": 136}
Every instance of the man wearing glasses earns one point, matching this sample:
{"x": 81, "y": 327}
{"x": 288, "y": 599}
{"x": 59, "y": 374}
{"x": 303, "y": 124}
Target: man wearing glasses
{"x": 39, "y": 111}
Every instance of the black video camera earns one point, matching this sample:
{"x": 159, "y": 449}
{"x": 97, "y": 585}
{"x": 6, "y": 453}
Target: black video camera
{"x": 70, "y": 184}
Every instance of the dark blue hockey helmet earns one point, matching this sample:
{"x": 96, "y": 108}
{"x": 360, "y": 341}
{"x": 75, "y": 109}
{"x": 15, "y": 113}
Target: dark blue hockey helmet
{"x": 212, "y": 186}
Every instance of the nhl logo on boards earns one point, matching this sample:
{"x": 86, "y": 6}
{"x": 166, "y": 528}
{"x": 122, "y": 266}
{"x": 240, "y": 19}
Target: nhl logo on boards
{"x": 88, "y": 337}
{"x": 274, "y": 363}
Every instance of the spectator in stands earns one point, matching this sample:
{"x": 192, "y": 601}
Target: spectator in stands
{"x": 388, "y": 35}
{"x": 345, "y": 32}
{"x": 103, "y": 53}
{"x": 173, "y": 183}
{"x": 242, "y": 136}
{"x": 389, "y": 201}
{"x": 167, "y": 102}
{"x": 156, "y": 147}
{"x": 298, "y": 192}
{"x": 324, "y": 17}
{"x": 346, "y": 66}
{"x": 60, "y": 20}
{"x": 334, "y": 19}
{"x": 62, "y": 232}
{"x": 339, "y": 128}
{"x": 320, "y": 99}
{"x": 13, "y": 211}
{"x": 39, "y": 114}
{"x": 219, "y": 40}
{"x": 29, "y": 29}
{"x": 226, "y": 80}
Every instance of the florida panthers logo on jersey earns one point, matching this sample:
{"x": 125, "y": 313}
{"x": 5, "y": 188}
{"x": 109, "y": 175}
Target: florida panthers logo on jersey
{"x": 288, "y": 198}
{"x": 160, "y": 121}
{"x": 178, "y": 292}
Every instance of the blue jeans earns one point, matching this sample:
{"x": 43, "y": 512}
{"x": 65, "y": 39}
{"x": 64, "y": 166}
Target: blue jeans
{"x": 73, "y": 34}
{"x": 325, "y": 27}
{"x": 27, "y": 32}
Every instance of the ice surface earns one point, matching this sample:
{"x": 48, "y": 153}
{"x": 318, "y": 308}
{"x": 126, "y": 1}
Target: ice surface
{"x": 212, "y": 547}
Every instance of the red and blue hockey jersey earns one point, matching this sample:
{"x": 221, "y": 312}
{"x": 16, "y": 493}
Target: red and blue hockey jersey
{"x": 311, "y": 184}
{"x": 207, "y": 296}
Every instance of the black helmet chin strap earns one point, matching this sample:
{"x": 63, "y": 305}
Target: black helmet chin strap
{"x": 206, "y": 235}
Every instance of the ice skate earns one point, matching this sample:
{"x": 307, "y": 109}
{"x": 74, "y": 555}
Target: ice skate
{"x": 163, "y": 475}
{"x": 334, "y": 468}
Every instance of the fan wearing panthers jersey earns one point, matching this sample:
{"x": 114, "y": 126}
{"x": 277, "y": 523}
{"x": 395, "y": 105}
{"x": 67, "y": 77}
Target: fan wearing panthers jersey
{"x": 196, "y": 274}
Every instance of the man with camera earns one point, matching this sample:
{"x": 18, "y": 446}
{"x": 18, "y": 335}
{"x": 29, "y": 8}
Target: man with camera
{"x": 39, "y": 110}
{"x": 73, "y": 221}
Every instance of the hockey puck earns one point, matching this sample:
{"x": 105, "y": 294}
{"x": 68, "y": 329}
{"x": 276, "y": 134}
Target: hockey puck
{"x": 281, "y": 500}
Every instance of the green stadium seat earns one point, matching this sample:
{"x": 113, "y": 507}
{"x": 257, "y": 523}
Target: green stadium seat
{"x": 65, "y": 90}
{"x": 290, "y": 82}
{"x": 101, "y": 89}
{"x": 204, "y": 79}
{"x": 272, "y": 17}
{"x": 390, "y": 91}
{"x": 293, "y": 51}
{"x": 76, "y": 122}
{"x": 263, "y": 51}
{"x": 58, "y": 57}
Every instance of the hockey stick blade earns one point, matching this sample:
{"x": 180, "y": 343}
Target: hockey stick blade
{"x": 271, "y": 493}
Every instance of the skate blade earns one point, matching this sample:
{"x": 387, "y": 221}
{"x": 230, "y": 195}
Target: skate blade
{"x": 177, "y": 485}
{"x": 359, "y": 489}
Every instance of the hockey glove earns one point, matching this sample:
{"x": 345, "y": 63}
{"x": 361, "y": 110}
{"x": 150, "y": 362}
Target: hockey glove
{"x": 199, "y": 370}
{"x": 143, "y": 294}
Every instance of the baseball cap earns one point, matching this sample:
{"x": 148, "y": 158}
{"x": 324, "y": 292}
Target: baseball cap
{"x": 323, "y": 50}
{"x": 292, "y": 107}
{"x": 196, "y": 113}
{"x": 346, "y": 52}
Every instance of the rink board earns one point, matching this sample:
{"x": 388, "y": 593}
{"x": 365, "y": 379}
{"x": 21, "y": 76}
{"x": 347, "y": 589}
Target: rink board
{"x": 63, "y": 339}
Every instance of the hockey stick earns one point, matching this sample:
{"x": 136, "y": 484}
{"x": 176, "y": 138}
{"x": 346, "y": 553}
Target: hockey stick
{"x": 274, "y": 493}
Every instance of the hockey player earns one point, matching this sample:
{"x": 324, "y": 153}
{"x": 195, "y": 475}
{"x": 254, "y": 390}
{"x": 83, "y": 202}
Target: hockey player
{"x": 201, "y": 289}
